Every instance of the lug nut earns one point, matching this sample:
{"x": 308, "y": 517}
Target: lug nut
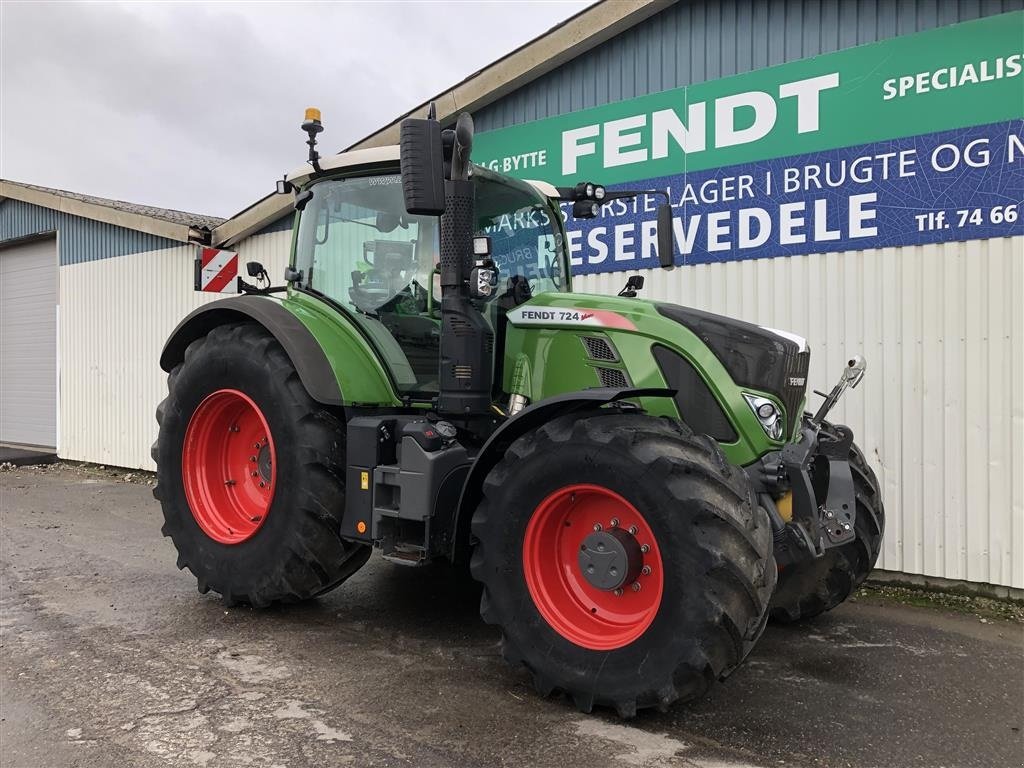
{"x": 597, "y": 526}
{"x": 633, "y": 529}
{"x": 829, "y": 514}
{"x": 262, "y": 484}
{"x": 645, "y": 548}
{"x": 636, "y": 586}
{"x": 255, "y": 474}
{"x": 646, "y": 571}
{"x": 252, "y": 459}
{"x": 846, "y": 526}
{"x": 618, "y": 592}
{"x": 615, "y": 522}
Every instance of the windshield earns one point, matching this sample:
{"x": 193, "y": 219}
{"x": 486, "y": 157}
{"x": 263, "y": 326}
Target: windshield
{"x": 358, "y": 246}
{"x": 527, "y": 241}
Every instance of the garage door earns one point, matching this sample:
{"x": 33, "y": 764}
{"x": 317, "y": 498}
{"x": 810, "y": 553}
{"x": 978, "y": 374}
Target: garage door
{"x": 28, "y": 343}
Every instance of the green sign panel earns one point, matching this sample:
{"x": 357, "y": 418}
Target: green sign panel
{"x": 954, "y": 77}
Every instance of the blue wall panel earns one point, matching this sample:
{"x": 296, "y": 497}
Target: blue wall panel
{"x": 285, "y": 222}
{"x": 80, "y": 239}
{"x": 693, "y": 42}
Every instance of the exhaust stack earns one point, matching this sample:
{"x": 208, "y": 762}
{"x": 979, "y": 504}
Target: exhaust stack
{"x": 467, "y": 342}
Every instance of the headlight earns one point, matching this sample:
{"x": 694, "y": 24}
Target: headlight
{"x": 768, "y": 415}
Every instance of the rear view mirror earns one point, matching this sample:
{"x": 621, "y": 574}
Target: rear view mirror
{"x": 666, "y": 241}
{"x": 422, "y": 163}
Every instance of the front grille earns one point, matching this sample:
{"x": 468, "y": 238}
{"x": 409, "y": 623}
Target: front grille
{"x": 612, "y": 378}
{"x": 599, "y": 349}
{"x": 754, "y": 357}
{"x": 794, "y": 387}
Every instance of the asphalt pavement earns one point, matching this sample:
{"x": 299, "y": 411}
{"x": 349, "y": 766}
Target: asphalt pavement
{"x": 109, "y": 657}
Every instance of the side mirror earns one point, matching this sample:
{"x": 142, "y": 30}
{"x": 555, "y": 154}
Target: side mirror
{"x": 666, "y": 240}
{"x": 255, "y": 269}
{"x": 633, "y": 284}
{"x": 422, "y": 163}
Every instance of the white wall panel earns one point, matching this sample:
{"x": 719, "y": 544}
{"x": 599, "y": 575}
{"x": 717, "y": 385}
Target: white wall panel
{"x": 115, "y": 316}
{"x": 940, "y": 414}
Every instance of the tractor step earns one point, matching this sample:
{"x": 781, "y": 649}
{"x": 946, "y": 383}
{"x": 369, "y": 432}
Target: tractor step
{"x": 406, "y": 554}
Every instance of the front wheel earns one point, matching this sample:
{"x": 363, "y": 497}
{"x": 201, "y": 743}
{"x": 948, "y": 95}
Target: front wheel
{"x": 250, "y": 473}
{"x": 624, "y": 559}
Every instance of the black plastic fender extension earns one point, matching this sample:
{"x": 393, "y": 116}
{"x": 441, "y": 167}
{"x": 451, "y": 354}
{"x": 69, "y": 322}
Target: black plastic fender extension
{"x": 299, "y": 344}
{"x": 526, "y": 420}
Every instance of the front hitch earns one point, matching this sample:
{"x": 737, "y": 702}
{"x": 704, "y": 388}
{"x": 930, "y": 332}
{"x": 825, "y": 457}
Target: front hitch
{"x": 817, "y": 468}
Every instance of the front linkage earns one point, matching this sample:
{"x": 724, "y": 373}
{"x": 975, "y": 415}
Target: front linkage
{"x": 815, "y": 470}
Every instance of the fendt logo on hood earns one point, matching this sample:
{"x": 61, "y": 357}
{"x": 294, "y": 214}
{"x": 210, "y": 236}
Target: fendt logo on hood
{"x": 561, "y": 317}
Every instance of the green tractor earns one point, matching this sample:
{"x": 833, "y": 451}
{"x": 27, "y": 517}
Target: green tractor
{"x": 635, "y": 484}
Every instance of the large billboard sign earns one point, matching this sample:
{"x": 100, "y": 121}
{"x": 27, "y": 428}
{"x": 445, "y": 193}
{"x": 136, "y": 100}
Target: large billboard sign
{"x": 919, "y": 139}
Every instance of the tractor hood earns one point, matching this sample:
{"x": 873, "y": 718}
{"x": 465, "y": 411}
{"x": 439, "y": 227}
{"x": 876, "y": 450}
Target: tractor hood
{"x": 712, "y": 361}
{"x": 757, "y": 357}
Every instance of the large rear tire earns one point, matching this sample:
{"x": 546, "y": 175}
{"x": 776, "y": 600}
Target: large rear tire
{"x": 810, "y": 588}
{"x": 705, "y": 571}
{"x": 250, "y": 473}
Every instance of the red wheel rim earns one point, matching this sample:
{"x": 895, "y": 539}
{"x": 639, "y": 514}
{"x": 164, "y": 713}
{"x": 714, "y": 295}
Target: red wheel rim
{"x": 599, "y": 619}
{"x": 228, "y": 466}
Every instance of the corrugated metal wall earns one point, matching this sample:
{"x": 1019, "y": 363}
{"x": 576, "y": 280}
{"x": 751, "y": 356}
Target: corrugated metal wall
{"x": 940, "y": 414}
{"x": 692, "y": 42}
{"x": 80, "y": 239}
{"x": 116, "y": 314}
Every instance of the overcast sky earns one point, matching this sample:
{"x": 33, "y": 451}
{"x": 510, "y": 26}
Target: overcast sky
{"x": 197, "y": 106}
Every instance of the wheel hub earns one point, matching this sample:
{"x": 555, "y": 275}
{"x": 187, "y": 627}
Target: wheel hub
{"x": 264, "y": 463}
{"x": 592, "y": 566}
{"x": 609, "y": 559}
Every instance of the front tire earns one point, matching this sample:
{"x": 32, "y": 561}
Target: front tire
{"x": 705, "y": 577}
{"x": 250, "y": 473}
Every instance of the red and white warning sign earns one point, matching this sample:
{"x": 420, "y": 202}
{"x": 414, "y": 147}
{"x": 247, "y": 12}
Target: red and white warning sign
{"x": 217, "y": 271}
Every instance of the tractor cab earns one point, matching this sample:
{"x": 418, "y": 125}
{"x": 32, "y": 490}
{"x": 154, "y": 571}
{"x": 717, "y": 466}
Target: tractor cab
{"x": 358, "y": 247}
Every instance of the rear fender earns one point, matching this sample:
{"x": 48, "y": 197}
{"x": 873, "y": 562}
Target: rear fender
{"x": 525, "y": 421}
{"x": 317, "y": 360}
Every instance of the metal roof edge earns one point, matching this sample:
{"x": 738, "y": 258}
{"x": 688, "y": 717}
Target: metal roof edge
{"x": 126, "y": 219}
{"x": 576, "y": 35}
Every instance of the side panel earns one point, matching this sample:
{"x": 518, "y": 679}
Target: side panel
{"x": 551, "y": 331}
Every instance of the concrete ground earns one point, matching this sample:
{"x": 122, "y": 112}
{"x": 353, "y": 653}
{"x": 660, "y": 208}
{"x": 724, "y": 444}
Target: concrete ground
{"x": 110, "y": 657}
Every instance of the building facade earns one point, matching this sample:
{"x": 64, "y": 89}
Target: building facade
{"x": 807, "y": 147}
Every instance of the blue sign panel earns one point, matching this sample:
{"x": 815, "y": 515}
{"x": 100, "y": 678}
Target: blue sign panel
{"x": 964, "y": 184}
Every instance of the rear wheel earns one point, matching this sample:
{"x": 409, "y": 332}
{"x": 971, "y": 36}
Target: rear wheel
{"x": 812, "y": 587}
{"x": 250, "y": 473}
{"x": 624, "y": 560}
